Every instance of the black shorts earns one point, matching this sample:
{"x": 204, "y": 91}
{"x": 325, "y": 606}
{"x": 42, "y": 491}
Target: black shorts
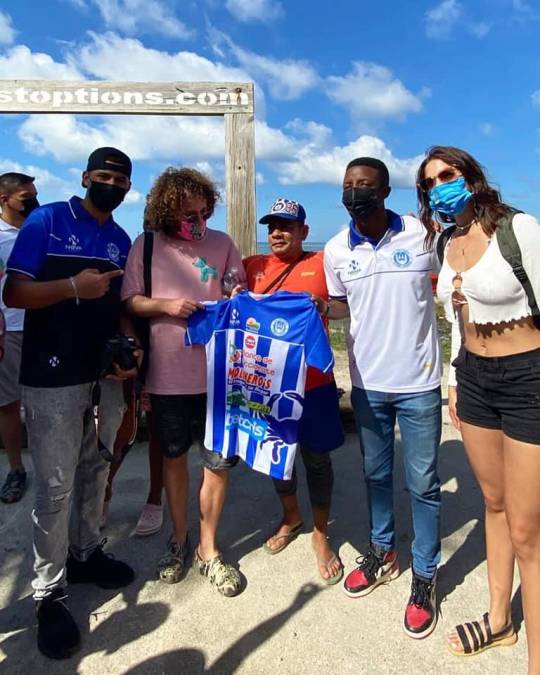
{"x": 500, "y": 393}
{"x": 179, "y": 421}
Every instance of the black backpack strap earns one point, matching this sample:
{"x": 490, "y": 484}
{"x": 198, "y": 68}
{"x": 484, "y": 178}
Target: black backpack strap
{"x": 443, "y": 240}
{"x": 510, "y": 251}
{"x": 148, "y": 250}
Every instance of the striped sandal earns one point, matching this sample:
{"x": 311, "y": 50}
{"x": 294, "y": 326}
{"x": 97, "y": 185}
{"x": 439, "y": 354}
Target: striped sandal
{"x": 482, "y": 639}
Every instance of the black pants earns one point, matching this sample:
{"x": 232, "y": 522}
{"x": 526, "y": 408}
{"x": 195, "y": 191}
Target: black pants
{"x": 320, "y": 479}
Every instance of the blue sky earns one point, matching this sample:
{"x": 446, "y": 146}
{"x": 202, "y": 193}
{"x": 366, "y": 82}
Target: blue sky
{"x": 334, "y": 80}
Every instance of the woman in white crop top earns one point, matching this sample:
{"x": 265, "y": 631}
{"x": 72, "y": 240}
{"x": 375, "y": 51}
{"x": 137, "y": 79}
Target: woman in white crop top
{"x": 494, "y": 385}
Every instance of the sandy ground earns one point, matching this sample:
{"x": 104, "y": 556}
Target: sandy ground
{"x": 285, "y": 621}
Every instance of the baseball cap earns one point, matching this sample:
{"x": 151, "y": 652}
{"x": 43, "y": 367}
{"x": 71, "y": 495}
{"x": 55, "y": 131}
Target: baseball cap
{"x": 285, "y": 208}
{"x": 109, "y": 158}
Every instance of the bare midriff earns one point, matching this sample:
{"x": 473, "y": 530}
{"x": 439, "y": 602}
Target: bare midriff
{"x": 499, "y": 339}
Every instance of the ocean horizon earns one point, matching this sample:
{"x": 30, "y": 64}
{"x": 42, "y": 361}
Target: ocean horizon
{"x": 263, "y": 247}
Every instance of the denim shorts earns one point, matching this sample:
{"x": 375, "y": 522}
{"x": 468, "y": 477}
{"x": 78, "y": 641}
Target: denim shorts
{"x": 500, "y": 392}
{"x": 179, "y": 421}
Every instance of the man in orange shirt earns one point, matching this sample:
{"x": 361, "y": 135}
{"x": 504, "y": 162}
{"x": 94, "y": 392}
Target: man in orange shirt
{"x": 290, "y": 268}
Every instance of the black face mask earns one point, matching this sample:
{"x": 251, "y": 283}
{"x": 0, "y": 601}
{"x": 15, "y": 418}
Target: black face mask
{"x": 106, "y": 197}
{"x": 28, "y": 205}
{"x": 360, "y": 202}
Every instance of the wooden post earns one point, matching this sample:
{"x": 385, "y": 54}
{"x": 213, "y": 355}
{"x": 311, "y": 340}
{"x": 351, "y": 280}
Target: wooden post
{"x": 240, "y": 180}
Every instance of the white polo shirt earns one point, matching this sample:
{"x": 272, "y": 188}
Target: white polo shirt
{"x": 393, "y": 342}
{"x": 8, "y": 234}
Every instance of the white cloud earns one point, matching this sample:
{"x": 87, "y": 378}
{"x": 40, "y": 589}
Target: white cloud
{"x": 479, "y": 29}
{"x": 7, "y": 32}
{"x": 172, "y": 139}
{"x": 487, "y": 128}
{"x": 255, "y": 10}
{"x": 441, "y": 19}
{"x": 49, "y": 185}
{"x": 535, "y": 99}
{"x": 372, "y": 91}
{"x": 312, "y": 164}
{"x": 112, "y": 57}
{"x": 20, "y": 63}
{"x": 139, "y": 16}
{"x": 287, "y": 79}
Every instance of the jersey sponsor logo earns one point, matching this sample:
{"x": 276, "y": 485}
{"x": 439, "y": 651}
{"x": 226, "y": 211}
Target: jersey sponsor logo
{"x": 402, "y": 258}
{"x": 253, "y": 324}
{"x": 354, "y": 267}
{"x": 279, "y": 327}
{"x": 54, "y": 361}
{"x": 236, "y": 399}
{"x": 256, "y": 428}
{"x": 113, "y": 251}
{"x": 73, "y": 245}
{"x": 250, "y": 341}
{"x": 251, "y": 381}
{"x": 235, "y": 321}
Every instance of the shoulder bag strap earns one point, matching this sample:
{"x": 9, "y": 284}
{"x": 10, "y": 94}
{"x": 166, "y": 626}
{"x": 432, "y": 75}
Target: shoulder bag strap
{"x": 278, "y": 281}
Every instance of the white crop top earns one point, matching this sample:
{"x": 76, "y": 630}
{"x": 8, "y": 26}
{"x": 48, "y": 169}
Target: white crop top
{"x": 493, "y": 293}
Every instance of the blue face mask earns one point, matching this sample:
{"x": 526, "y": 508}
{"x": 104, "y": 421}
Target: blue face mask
{"x": 450, "y": 198}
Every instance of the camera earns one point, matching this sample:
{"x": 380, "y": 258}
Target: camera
{"x": 118, "y": 350}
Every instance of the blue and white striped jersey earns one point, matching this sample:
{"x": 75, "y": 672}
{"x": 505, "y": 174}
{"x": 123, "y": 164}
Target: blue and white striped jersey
{"x": 258, "y": 348}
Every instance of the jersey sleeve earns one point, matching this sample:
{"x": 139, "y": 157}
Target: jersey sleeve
{"x": 30, "y": 250}
{"x": 318, "y": 350}
{"x": 201, "y": 324}
{"x": 133, "y": 279}
{"x": 336, "y": 289}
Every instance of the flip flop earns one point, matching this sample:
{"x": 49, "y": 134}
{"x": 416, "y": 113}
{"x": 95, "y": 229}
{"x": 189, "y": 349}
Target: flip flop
{"x": 337, "y": 577}
{"x": 287, "y": 537}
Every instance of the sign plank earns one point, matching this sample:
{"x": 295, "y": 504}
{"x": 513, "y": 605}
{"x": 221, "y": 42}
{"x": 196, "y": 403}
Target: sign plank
{"x": 121, "y": 98}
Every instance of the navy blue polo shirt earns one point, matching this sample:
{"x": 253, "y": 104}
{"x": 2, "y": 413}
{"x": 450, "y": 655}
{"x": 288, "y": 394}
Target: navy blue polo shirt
{"x": 62, "y": 343}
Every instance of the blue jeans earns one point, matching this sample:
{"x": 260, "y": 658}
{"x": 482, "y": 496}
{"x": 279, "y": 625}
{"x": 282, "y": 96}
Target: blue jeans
{"x": 419, "y": 419}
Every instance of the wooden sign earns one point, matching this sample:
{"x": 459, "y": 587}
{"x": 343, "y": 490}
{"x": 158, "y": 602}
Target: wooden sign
{"x": 125, "y": 98}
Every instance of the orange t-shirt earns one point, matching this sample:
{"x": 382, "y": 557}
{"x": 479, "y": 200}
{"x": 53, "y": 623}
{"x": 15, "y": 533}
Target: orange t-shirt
{"x": 307, "y": 276}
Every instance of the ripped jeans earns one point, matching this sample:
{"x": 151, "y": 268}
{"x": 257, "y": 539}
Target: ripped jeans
{"x": 69, "y": 473}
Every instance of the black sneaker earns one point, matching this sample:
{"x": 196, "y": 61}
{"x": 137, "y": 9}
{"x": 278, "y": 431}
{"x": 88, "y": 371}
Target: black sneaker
{"x": 421, "y": 611}
{"x": 14, "y": 486}
{"x": 100, "y": 569}
{"x": 58, "y": 635}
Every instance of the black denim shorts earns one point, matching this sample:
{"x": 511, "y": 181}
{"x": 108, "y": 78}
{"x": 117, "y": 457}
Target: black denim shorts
{"x": 500, "y": 393}
{"x": 179, "y": 421}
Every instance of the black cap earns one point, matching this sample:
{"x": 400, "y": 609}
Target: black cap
{"x": 109, "y": 158}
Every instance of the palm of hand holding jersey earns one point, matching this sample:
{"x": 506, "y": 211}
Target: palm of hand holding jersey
{"x": 257, "y": 350}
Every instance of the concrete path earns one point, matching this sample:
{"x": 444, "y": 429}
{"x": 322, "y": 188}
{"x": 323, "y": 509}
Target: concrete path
{"x": 285, "y": 621}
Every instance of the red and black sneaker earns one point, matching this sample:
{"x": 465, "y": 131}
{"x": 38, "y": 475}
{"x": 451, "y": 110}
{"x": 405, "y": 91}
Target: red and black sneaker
{"x": 421, "y": 612}
{"x": 372, "y": 571}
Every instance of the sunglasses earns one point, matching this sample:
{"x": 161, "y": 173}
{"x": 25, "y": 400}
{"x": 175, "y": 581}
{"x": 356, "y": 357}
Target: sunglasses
{"x": 445, "y": 176}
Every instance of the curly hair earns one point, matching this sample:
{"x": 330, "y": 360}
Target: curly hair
{"x": 168, "y": 194}
{"x": 487, "y": 202}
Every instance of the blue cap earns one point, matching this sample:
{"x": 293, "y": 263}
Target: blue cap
{"x": 285, "y": 208}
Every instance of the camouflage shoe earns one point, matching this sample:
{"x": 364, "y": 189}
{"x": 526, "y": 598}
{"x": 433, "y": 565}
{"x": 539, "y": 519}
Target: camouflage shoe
{"x": 224, "y": 576}
{"x": 171, "y": 566}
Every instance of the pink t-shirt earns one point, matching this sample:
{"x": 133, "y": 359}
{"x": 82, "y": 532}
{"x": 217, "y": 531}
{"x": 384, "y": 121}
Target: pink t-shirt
{"x": 180, "y": 269}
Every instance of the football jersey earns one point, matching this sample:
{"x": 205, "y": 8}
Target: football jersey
{"x": 258, "y": 348}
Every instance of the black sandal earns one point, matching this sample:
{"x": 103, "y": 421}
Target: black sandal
{"x": 479, "y": 642}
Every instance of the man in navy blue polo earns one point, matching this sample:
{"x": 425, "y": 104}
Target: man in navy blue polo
{"x": 65, "y": 271}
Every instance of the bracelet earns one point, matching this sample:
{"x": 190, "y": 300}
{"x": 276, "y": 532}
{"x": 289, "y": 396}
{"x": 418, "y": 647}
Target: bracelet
{"x": 75, "y": 290}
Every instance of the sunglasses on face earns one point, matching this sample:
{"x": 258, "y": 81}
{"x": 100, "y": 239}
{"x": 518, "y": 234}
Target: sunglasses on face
{"x": 445, "y": 176}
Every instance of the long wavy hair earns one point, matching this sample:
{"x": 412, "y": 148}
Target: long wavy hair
{"x": 168, "y": 194}
{"x": 487, "y": 202}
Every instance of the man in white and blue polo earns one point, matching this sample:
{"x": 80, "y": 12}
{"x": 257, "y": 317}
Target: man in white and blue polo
{"x": 65, "y": 270}
{"x": 379, "y": 272}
